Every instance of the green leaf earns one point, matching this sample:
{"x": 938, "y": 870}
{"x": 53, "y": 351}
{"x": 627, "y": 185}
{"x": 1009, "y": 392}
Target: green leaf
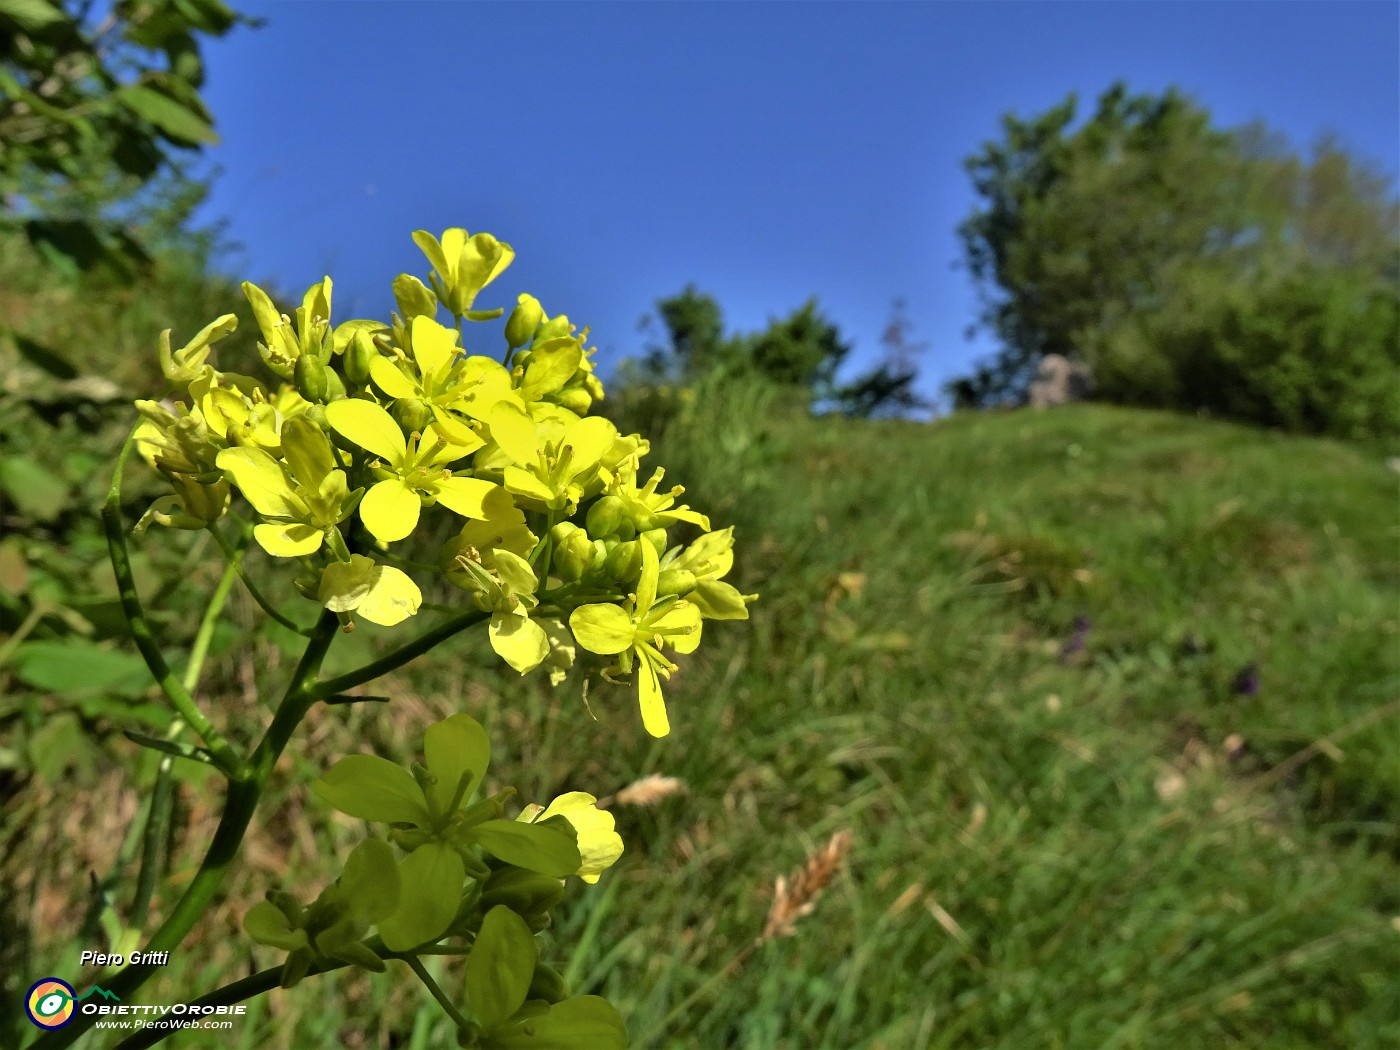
{"x": 266, "y": 924}
{"x": 586, "y": 1022}
{"x": 433, "y": 876}
{"x": 370, "y": 882}
{"x": 500, "y": 966}
{"x": 169, "y": 747}
{"x": 44, "y": 358}
{"x": 549, "y": 848}
{"x": 373, "y": 788}
{"x": 76, "y": 666}
{"x": 37, "y": 493}
{"x": 452, "y": 748}
{"x": 174, "y": 120}
{"x": 31, "y": 14}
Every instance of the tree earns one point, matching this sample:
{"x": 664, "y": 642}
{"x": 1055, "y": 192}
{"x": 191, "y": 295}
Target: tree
{"x": 98, "y": 102}
{"x": 1087, "y": 240}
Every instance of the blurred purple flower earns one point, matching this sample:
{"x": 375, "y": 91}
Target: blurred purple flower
{"x": 1246, "y": 683}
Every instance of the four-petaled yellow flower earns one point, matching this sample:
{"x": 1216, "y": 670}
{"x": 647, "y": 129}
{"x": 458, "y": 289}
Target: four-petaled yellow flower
{"x": 635, "y": 632}
{"x": 412, "y": 472}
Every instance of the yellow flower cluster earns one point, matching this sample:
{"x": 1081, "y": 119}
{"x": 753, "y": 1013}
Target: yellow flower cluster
{"x": 371, "y": 426}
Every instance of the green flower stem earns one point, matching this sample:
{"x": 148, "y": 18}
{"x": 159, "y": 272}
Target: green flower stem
{"x": 228, "y": 760}
{"x": 444, "y": 1000}
{"x": 239, "y": 806}
{"x": 400, "y": 656}
{"x": 235, "y": 558}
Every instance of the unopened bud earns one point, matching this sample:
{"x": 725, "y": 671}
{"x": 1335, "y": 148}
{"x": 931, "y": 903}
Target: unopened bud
{"x": 358, "y": 357}
{"x": 624, "y": 564}
{"x": 605, "y": 516}
{"x": 309, "y": 373}
{"x": 575, "y": 398}
{"x": 523, "y": 320}
{"x": 574, "y": 556}
{"x": 412, "y": 415}
{"x": 547, "y": 984}
{"x": 657, "y": 539}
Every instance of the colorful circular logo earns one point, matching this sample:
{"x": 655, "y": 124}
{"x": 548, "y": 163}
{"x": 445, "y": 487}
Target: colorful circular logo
{"x": 50, "y": 1003}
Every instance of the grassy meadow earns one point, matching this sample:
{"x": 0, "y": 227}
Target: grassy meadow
{"x": 1108, "y": 701}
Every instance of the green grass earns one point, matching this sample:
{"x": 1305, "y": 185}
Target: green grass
{"x": 1078, "y": 850}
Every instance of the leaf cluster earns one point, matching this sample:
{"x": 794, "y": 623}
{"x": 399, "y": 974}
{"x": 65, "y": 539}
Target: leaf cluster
{"x": 94, "y": 106}
{"x": 1173, "y": 257}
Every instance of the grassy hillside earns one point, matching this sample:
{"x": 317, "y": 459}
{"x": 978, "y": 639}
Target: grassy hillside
{"x": 1109, "y": 700}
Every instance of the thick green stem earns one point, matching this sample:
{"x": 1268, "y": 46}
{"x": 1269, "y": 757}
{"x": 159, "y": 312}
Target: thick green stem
{"x": 229, "y": 761}
{"x": 396, "y": 659}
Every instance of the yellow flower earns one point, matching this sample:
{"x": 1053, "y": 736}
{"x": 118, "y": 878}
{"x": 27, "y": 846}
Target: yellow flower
{"x": 599, "y": 844}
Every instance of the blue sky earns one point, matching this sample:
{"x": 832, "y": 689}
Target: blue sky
{"x": 765, "y": 152}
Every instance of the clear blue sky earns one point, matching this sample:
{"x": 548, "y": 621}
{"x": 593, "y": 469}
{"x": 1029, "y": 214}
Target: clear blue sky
{"x": 766, "y": 152}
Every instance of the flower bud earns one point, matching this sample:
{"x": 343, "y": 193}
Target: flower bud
{"x": 657, "y": 539}
{"x": 574, "y": 556}
{"x": 335, "y": 386}
{"x": 600, "y": 557}
{"x": 358, "y": 357}
{"x": 547, "y": 984}
{"x": 624, "y": 564}
{"x": 575, "y": 398}
{"x": 309, "y": 373}
{"x": 605, "y": 516}
{"x": 412, "y": 415}
{"x": 675, "y": 581}
{"x": 523, "y": 321}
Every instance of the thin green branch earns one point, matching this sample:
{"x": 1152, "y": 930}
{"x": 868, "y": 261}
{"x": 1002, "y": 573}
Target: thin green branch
{"x": 200, "y": 650}
{"x": 416, "y": 965}
{"x": 236, "y": 992}
{"x": 400, "y": 656}
{"x": 228, "y": 760}
{"x": 235, "y": 558}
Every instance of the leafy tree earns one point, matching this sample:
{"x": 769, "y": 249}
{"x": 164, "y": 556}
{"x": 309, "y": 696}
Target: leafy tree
{"x": 98, "y": 102}
{"x": 1091, "y": 242}
{"x": 800, "y": 352}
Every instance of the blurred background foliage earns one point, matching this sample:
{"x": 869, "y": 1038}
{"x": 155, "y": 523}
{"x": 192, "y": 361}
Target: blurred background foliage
{"x": 1108, "y": 695}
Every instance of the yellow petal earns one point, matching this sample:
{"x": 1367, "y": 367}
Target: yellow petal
{"x": 393, "y": 598}
{"x": 388, "y": 378}
{"x": 589, "y": 439}
{"x": 602, "y": 628}
{"x": 519, "y": 641}
{"x": 654, "y": 718}
{"x": 515, "y": 432}
{"x": 434, "y": 346}
{"x": 390, "y": 509}
{"x": 369, "y": 426}
{"x": 288, "y": 541}
{"x": 466, "y": 496}
{"x": 263, "y": 481}
{"x": 432, "y": 248}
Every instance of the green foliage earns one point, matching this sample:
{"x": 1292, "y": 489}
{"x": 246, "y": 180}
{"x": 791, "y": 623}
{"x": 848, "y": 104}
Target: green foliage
{"x": 1172, "y": 256}
{"x": 798, "y": 355}
{"x": 89, "y": 113}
